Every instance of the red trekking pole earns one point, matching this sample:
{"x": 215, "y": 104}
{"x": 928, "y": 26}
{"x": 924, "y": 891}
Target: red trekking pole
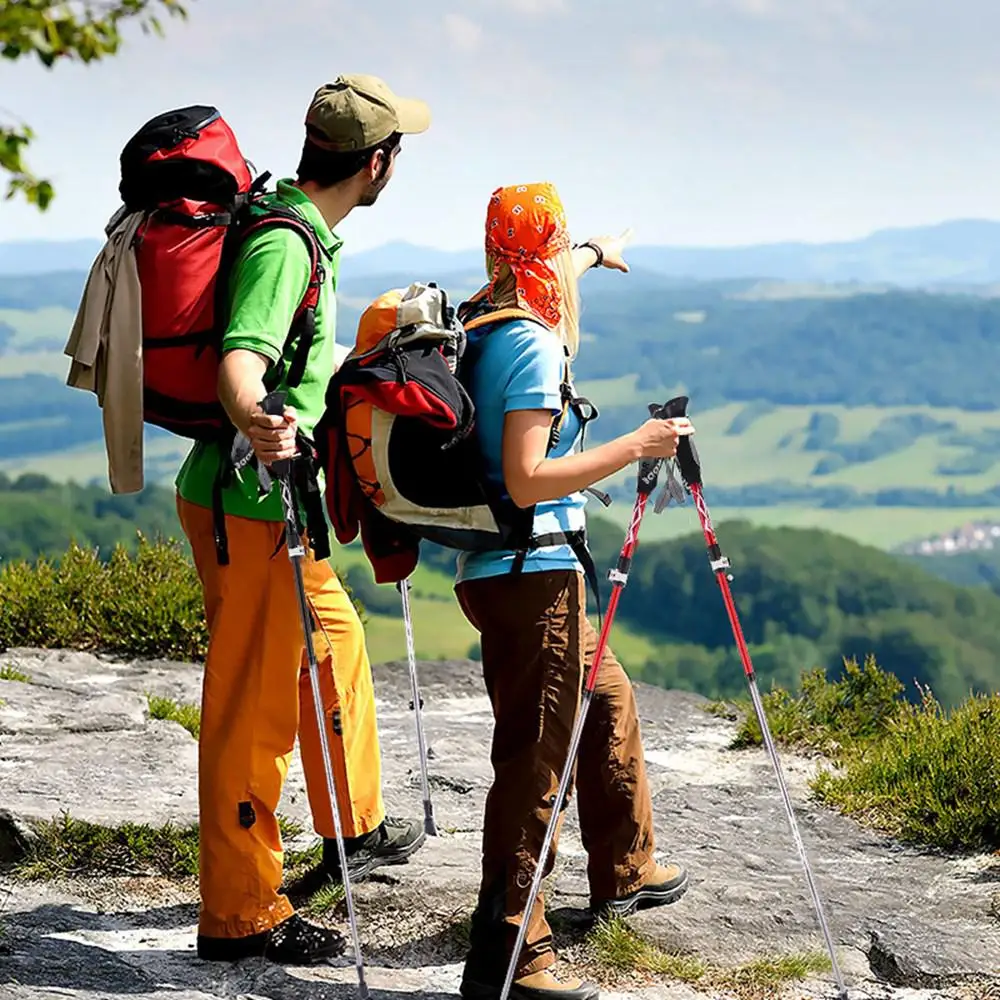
{"x": 649, "y": 472}
{"x": 690, "y": 469}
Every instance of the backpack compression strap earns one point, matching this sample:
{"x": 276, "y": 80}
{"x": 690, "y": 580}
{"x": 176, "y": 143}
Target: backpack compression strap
{"x": 304, "y": 322}
{"x": 481, "y": 312}
{"x": 303, "y": 327}
{"x": 477, "y": 312}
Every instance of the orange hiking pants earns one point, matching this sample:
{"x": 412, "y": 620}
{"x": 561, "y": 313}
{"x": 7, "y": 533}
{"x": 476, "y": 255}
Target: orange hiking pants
{"x": 256, "y": 695}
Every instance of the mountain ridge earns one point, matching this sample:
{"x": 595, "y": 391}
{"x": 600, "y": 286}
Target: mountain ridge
{"x": 955, "y": 251}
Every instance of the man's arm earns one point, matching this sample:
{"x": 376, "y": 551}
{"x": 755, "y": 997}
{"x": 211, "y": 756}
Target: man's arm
{"x": 270, "y": 278}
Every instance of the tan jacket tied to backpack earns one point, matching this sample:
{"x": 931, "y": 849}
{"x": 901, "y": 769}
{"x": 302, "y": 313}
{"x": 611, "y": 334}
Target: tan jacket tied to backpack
{"x": 105, "y": 345}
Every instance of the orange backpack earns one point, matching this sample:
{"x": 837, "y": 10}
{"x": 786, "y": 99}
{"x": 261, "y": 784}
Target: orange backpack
{"x": 398, "y": 444}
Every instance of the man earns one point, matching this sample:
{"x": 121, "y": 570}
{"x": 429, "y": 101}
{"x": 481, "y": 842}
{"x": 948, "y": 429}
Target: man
{"x": 255, "y": 673}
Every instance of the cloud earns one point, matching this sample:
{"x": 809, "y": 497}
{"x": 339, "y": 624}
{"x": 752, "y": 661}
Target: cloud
{"x": 537, "y": 7}
{"x": 464, "y": 34}
{"x": 756, "y": 8}
{"x": 819, "y": 19}
{"x": 692, "y": 64}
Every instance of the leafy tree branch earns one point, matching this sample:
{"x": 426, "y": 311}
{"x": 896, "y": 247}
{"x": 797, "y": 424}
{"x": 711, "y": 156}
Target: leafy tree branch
{"x": 53, "y": 31}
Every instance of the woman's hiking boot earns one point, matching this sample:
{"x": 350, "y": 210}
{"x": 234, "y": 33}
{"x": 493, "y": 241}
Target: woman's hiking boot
{"x": 292, "y": 942}
{"x": 391, "y": 843}
{"x": 666, "y": 884}
{"x": 544, "y": 985}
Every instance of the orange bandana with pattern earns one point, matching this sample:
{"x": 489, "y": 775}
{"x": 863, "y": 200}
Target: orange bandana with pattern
{"x": 525, "y": 228}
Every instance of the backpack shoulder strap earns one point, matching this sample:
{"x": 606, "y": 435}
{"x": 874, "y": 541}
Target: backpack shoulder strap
{"x": 304, "y": 323}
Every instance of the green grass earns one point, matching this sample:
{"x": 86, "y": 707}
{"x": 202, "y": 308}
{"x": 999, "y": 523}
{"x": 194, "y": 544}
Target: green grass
{"x": 34, "y": 363}
{"x": 66, "y": 847}
{"x": 186, "y": 715}
{"x": 440, "y": 631}
{"x": 859, "y": 705}
{"x": 914, "y": 771}
{"x": 614, "y": 945}
{"x": 425, "y": 582}
{"x": 928, "y": 778}
{"x": 8, "y": 672}
{"x": 325, "y": 900}
{"x": 623, "y": 391}
{"x": 754, "y": 456}
{"x": 88, "y": 462}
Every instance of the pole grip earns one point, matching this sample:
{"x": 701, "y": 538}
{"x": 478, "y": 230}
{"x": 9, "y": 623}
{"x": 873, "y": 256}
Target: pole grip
{"x": 273, "y": 404}
{"x": 687, "y": 455}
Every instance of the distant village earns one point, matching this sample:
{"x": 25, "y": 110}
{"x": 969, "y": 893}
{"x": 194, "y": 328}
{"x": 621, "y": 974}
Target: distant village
{"x": 977, "y": 535}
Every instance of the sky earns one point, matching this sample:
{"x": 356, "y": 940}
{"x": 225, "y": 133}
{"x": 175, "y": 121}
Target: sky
{"x": 696, "y": 122}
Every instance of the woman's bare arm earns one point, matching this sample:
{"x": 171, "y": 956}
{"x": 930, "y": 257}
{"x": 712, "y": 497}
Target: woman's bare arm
{"x": 532, "y": 478}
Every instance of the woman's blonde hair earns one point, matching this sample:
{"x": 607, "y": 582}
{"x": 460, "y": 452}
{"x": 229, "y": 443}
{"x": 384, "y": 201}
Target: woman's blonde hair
{"x": 505, "y": 295}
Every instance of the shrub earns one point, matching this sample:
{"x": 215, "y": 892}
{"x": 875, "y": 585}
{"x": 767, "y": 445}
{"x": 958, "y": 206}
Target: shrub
{"x": 144, "y": 604}
{"x": 915, "y": 771}
{"x": 828, "y": 714}
{"x": 932, "y": 776}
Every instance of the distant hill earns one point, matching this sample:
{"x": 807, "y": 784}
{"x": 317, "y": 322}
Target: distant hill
{"x": 956, "y": 252}
{"x": 723, "y": 341}
{"x": 806, "y": 598}
{"x": 42, "y": 256}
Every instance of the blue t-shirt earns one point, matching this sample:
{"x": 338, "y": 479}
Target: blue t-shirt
{"x": 518, "y": 365}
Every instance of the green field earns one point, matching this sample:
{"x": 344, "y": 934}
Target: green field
{"x": 754, "y": 456}
{"x": 31, "y": 327}
{"x": 770, "y": 449}
{"x": 882, "y": 527}
{"x": 440, "y": 630}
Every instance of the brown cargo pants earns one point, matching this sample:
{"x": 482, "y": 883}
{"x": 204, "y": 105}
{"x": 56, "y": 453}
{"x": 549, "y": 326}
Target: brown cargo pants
{"x": 537, "y": 645}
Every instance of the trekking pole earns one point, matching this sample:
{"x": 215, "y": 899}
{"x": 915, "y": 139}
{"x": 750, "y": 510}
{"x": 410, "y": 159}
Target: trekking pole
{"x": 430, "y": 828}
{"x": 273, "y": 404}
{"x": 690, "y": 469}
{"x": 649, "y": 471}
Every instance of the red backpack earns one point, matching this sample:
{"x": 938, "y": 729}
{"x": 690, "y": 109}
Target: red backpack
{"x": 184, "y": 170}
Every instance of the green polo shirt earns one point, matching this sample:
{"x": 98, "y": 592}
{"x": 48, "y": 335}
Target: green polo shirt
{"x": 269, "y": 278}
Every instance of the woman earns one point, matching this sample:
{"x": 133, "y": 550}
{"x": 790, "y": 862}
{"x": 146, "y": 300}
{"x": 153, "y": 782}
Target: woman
{"x": 536, "y": 639}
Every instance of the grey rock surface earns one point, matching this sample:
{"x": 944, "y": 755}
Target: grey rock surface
{"x": 78, "y": 738}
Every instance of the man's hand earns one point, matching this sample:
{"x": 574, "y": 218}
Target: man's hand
{"x": 273, "y": 438}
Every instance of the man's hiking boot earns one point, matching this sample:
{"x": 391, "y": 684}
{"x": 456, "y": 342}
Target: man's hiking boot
{"x": 391, "y": 843}
{"x": 292, "y": 942}
{"x": 542, "y": 985}
{"x": 666, "y": 885}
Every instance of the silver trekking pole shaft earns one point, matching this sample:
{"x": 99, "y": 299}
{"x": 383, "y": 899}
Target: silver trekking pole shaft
{"x": 797, "y": 837}
{"x": 296, "y": 551}
{"x": 536, "y": 882}
{"x": 649, "y": 470}
{"x": 691, "y": 472}
{"x": 430, "y": 827}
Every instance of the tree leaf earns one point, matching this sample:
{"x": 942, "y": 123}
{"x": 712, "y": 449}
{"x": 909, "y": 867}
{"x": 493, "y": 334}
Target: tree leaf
{"x": 52, "y": 32}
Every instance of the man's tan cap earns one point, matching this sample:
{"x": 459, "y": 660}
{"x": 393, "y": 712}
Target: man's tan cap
{"x": 358, "y": 111}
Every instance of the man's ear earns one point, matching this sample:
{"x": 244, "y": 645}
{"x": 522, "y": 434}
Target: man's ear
{"x": 375, "y": 165}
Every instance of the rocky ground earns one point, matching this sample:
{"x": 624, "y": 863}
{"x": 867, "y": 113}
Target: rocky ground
{"x": 909, "y": 924}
